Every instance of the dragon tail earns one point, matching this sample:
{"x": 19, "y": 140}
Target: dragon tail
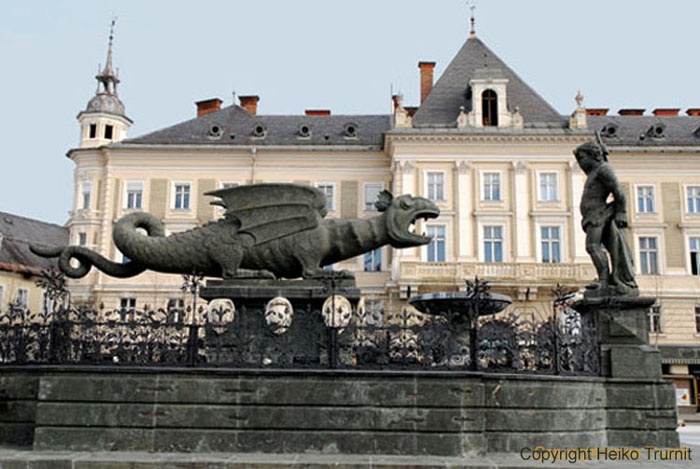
{"x": 86, "y": 259}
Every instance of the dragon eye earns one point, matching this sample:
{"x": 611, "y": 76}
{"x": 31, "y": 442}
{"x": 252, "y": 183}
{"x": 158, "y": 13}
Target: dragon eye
{"x": 406, "y": 203}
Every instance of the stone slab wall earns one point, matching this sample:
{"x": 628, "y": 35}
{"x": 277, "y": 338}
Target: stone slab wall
{"x": 18, "y": 400}
{"x": 442, "y": 414}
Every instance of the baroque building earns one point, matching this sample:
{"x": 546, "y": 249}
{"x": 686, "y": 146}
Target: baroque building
{"x": 488, "y": 149}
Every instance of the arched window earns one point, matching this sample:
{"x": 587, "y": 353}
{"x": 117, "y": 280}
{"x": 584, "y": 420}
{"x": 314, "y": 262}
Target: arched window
{"x": 489, "y": 108}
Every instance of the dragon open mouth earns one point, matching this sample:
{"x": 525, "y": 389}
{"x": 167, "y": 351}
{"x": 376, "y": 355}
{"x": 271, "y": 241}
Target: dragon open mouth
{"x": 424, "y": 214}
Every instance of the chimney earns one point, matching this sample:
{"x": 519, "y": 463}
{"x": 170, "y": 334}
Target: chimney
{"x": 596, "y": 112}
{"x": 665, "y": 112}
{"x": 250, "y": 103}
{"x": 426, "y": 78}
{"x": 318, "y": 112}
{"x": 208, "y": 106}
{"x": 693, "y": 111}
{"x": 631, "y": 112}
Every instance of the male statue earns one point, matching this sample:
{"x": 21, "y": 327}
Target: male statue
{"x": 604, "y": 222}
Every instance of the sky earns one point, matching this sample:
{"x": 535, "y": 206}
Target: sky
{"x": 345, "y": 56}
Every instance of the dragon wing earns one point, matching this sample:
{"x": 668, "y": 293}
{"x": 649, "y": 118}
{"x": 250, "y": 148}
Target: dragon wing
{"x": 272, "y": 211}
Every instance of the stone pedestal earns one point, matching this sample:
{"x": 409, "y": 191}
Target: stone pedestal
{"x": 623, "y": 332}
{"x": 641, "y": 406}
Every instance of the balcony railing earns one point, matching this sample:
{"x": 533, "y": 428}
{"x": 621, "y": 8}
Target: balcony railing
{"x": 532, "y": 272}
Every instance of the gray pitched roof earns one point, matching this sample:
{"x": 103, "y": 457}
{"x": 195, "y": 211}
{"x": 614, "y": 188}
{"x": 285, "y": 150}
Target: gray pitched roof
{"x": 234, "y": 125}
{"x": 441, "y": 107}
{"x": 19, "y": 232}
{"x": 647, "y": 130}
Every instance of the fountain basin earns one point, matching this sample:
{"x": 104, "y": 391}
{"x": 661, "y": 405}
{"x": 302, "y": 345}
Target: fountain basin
{"x": 449, "y": 303}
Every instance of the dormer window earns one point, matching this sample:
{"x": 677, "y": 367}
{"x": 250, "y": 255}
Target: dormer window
{"x": 489, "y": 106}
{"x": 109, "y": 130}
{"x": 93, "y": 130}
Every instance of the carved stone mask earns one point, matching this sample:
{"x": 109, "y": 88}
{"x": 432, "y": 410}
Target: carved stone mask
{"x": 278, "y": 315}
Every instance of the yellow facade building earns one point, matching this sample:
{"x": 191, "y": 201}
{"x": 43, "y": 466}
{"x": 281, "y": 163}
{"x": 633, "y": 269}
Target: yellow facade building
{"x": 489, "y": 150}
{"x": 20, "y": 268}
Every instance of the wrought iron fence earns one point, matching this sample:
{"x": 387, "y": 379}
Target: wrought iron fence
{"x": 307, "y": 338}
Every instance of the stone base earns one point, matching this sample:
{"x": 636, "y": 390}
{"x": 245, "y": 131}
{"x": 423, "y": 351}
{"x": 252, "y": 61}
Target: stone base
{"x": 391, "y": 413}
{"x": 623, "y": 333}
{"x": 255, "y": 293}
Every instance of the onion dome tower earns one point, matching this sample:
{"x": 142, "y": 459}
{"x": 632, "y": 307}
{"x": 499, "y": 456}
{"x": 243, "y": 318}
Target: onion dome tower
{"x": 103, "y": 121}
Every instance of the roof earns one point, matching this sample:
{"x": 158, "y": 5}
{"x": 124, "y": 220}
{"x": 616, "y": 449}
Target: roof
{"x": 647, "y": 130}
{"x": 441, "y": 107}
{"x": 18, "y": 233}
{"x": 234, "y": 125}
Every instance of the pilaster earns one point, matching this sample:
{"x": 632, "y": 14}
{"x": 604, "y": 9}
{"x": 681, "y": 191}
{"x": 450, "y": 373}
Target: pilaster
{"x": 521, "y": 202}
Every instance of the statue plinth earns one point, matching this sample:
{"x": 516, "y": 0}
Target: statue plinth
{"x": 302, "y": 293}
{"x": 623, "y": 334}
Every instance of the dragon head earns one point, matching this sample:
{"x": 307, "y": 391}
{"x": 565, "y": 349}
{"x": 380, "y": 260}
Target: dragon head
{"x": 401, "y": 214}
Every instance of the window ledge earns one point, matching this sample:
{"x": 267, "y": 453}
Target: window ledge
{"x": 549, "y": 202}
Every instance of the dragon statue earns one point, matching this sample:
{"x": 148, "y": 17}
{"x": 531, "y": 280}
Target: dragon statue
{"x": 268, "y": 231}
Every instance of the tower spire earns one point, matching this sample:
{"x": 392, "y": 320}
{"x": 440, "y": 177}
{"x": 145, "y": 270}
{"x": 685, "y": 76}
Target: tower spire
{"x": 108, "y": 63}
{"x": 107, "y": 78}
{"x": 472, "y": 31}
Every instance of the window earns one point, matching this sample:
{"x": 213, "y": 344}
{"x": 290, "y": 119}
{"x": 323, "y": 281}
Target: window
{"x": 645, "y": 199}
{"x": 86, "y": 189}
{"x": 697, "y": 319}
{"x": 328, "y": 189}
{"x": 226, "y": 185}
{"x": 549, "y": 190}
{"x": 436, "y": 247}
{"x": 489, "y": 108}
{"x": 492, "y": 186}
{"x": 654, "y": 315}
{"x": 82, "y": 239}
{"x": 182, "y": 196}
{"x": 373, "y": 260}
{"x": 108, "y": 132}
{"x": 22, "y": 298}
{"x": 436, "y": 185}
{"x": 93, "y": 130}
{"x": 134, "y": 195}
{"x": 694, "y": 244}
{"x": 371, "y": 194}
{"x": 550, "y": 244}
{"x": 694, "y": 199}
{"x": 648, "y": 255}
{"x": 175, "y": 310}
{"x": 493, "y": 244}
{"x": 127, "y": 308}
{"x": 47, "y": 303}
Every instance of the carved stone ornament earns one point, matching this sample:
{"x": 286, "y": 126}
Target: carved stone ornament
{"x": 278, "y": 315}
{"x": 463, "y": 167}
{"x": 221, "y": 310}
{"x": 336, "y": 311}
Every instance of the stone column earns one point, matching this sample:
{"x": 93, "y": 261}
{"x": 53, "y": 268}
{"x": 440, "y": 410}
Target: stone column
{"x": 521, "y": 201}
